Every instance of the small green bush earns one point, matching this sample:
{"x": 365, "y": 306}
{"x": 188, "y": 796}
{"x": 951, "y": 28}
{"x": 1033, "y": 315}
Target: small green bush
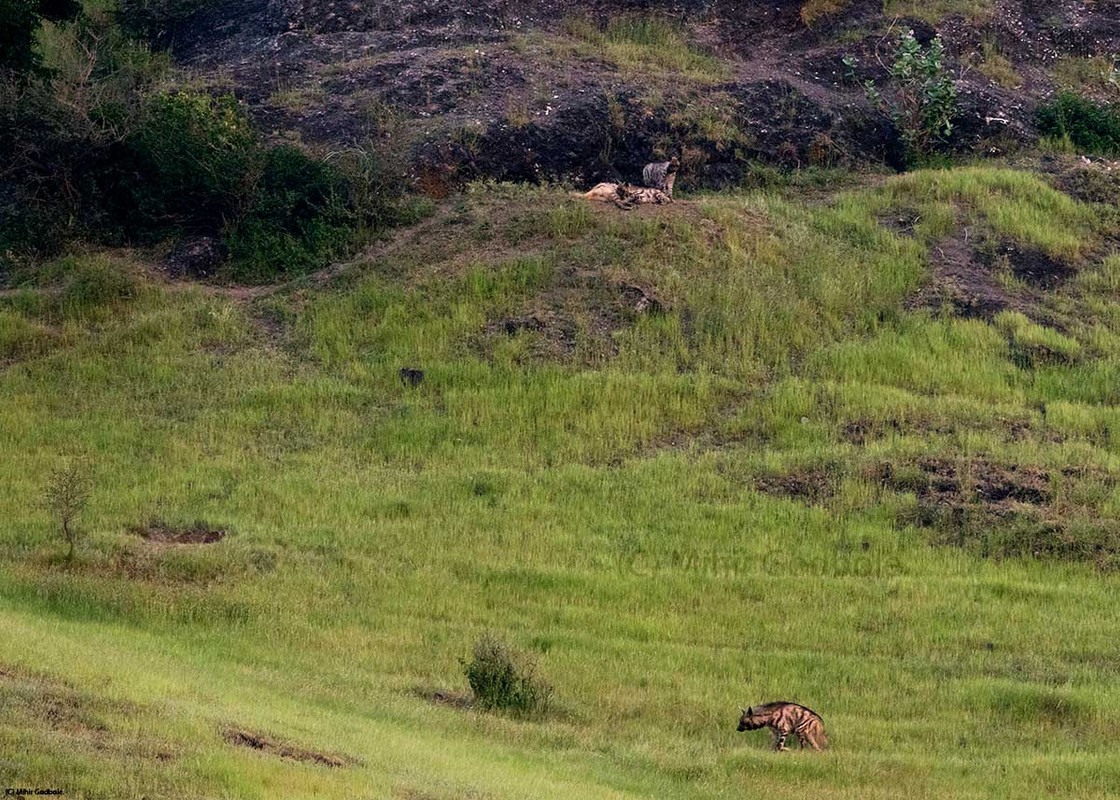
{"x": 502, "y": 679}
{"x": 1092, "y": 127}
{"x": 20, "y": 55}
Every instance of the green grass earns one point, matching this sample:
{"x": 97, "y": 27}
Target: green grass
{"x": 297, "y": 100}
{"x": 587, "y": 491}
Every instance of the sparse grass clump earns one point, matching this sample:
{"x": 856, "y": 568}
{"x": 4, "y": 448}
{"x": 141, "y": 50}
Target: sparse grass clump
{"x": 641, "y": 42}
{"x": 503, "y": 680}
{"x": 297, "y": 100}
{"x": 933, "y": 11}
{"x": 1089, "y": 74}
{"x": 995, "y": 65}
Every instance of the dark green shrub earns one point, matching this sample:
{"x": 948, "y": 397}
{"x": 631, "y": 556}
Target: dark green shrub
{"x": 1092, "y": 127}
{"x": 194, "y": 155}
{"x": 502, "y": 679}
{"x": 96, "y": 155}
{"x": 296, "y": 218}
{"x": 61, "y": 131}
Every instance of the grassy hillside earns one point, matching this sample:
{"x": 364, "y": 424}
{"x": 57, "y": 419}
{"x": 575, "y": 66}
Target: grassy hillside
{"x": 856, "y": 450}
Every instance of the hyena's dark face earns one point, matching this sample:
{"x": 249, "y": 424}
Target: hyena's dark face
{"x": 748, "y": 721}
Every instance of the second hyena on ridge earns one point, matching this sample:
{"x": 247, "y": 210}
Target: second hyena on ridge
{"x": 784, "y": 719}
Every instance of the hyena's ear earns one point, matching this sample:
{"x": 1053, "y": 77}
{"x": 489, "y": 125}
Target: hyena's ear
{"x": 750, "y": 712}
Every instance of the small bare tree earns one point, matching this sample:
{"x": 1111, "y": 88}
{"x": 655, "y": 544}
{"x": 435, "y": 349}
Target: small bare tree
{"x": 66, "y": 496}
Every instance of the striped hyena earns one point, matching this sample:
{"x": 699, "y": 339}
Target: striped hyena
{"x": 783, "y": 719}
{"x": 662, "y": 176}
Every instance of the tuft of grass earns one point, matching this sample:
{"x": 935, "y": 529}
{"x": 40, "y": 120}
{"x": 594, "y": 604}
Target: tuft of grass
{"x": 998, "y": 67}
{"x": 1032, "y": 343}
{"x": 297, "y": 100}
{"x": 1086, "y": 74}
{"x": 517, "y": 114}
{"x": 814, "y": 11}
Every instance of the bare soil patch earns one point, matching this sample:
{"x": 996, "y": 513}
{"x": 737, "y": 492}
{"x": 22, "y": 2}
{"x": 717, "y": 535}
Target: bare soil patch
{"x": 1032, "y": 266}
{"x": 901, "y": 221}
{"x": 947, "y": 482}
{"x": 966, "y": 278}
{"x": 860, "y": 431}
{"x": 161, "y": 533}
{"x": 240, "y": 737}
{"x": 964, "y": 284}
{"x": 459, "y": 701}
{"x": 813, "y": 485}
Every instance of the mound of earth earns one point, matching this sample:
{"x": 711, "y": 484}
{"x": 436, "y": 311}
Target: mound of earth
{"x": 256, "y": 741}
{"x": 158, "y": 532}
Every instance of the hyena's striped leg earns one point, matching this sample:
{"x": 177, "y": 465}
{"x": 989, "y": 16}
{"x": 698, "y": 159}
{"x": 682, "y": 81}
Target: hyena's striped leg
{"x": 813, "y": 734}
{"x": 780, "y": 740}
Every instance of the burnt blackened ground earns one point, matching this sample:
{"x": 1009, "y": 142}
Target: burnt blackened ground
{"x": 505, "y": 90}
